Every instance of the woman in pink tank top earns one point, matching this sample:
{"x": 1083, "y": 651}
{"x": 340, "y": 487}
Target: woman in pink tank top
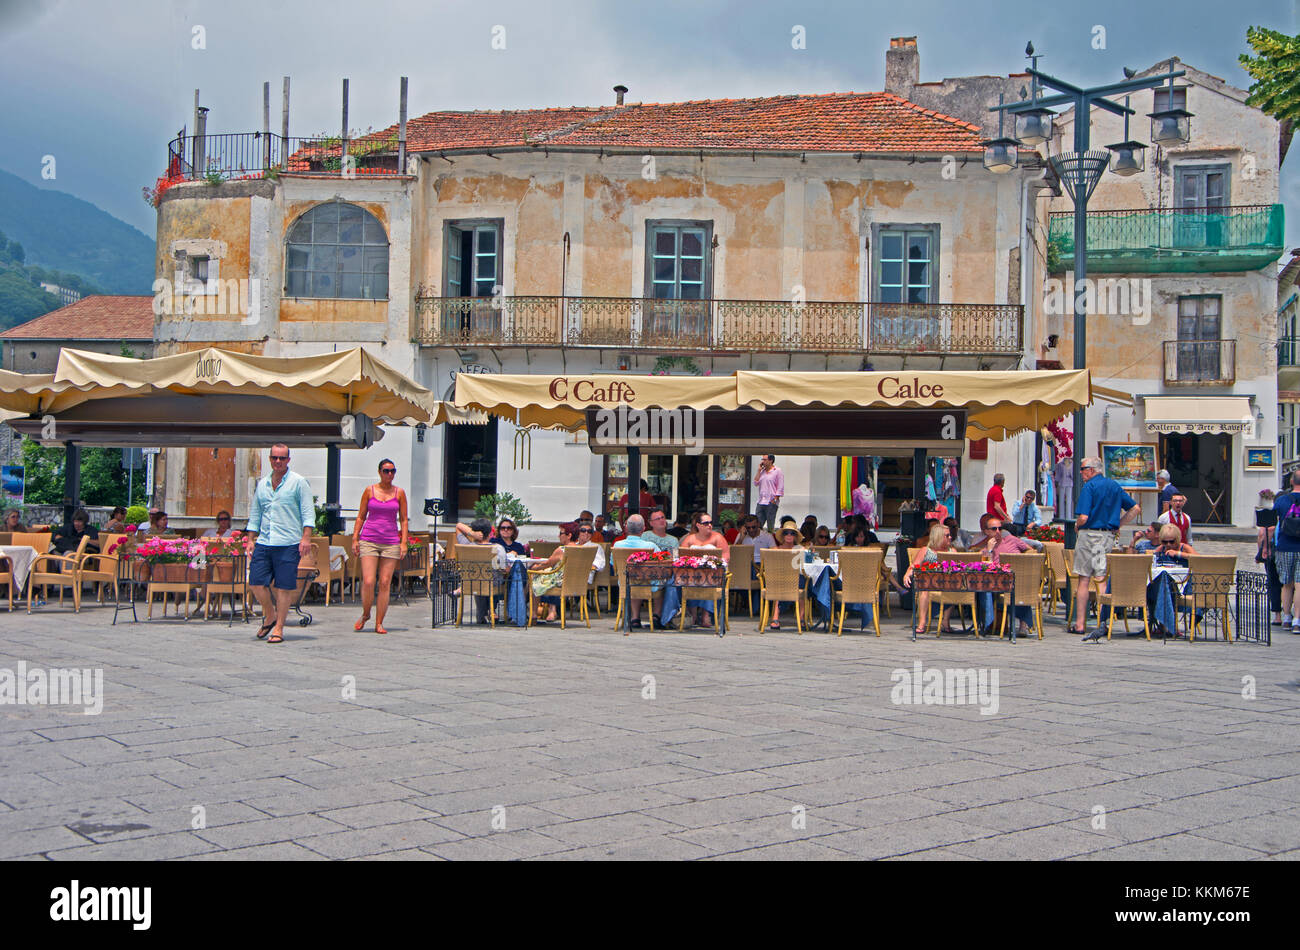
{"x": 379, "y": 540}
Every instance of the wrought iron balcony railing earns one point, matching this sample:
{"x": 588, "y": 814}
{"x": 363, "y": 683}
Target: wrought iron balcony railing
{"x": 720, "y": 325}
{"x": 1174, "y": 240}
{"x": 1191, "y": 362}
{"x": 1288, "y": 352}
{"x": 242, "y": 155}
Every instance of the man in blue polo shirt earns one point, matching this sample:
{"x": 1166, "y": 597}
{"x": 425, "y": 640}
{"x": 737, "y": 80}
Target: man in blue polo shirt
{"x": 280, "y": 518}
{"x": 1286, "y": 555}
{"x": 1102, "y": 508}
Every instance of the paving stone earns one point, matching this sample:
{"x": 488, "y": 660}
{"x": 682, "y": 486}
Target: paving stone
{"x": 268, "y": 831}
{"x": 367, "y": 841}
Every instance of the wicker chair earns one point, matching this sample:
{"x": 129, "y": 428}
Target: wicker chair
{"x": 1030, "y": 571}
{"x": 945, "y": 599}
{"x": 576, "y": 565}
{"x": 1209, "y": 587}
{"x": 38, "y": 541}
{"x": 1058, "y": 573}
{"x": 7, "y": 578}
{"x": 101, "y": 569}
{"x": 482, "y": 556}
{"x": 1129, "y": 575}
{"x": 780, "y": 582}
{"x": 69, "y": 575}
{"x": 543, "y": 548}
{"x": 618, "y": 564}
{"x": 718, "y": 597}
{"x": 860, "y": 577}
{"x": 742, "y": 575}
{"x": 885, "y": 574}
{"x": 823, "y": 551}
{"x": 601, "y": 578}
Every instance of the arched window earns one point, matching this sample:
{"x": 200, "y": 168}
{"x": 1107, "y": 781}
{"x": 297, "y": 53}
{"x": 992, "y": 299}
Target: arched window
{"x": 337, "y": 250}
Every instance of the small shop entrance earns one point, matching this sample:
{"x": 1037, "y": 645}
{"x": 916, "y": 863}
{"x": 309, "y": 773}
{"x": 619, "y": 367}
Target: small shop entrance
{"x": 471, "y": 465}
{"x": 1200, "y": 468}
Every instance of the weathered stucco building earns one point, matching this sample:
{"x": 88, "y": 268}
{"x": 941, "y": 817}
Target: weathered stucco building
{"x": 811, "y": 233}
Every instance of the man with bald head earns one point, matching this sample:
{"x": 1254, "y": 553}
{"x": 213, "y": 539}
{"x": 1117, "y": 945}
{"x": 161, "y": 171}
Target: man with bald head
{"x": 635, "y": 529}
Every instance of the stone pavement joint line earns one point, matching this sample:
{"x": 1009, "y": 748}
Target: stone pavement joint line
{"x": 512, "y": 744}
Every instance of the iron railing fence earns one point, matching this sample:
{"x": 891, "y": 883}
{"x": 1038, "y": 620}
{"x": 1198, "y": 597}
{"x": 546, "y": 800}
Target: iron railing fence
{"x": 1190, "y": 362}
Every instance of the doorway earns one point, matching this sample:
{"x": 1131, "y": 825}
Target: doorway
{"x": 470, "y": 465}
{"x": 1199, "y": 465}
{"x": 692, "y": 488}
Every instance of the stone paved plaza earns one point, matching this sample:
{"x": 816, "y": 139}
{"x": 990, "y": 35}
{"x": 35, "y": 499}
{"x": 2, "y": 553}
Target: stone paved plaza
{"x": 507, "y": 743}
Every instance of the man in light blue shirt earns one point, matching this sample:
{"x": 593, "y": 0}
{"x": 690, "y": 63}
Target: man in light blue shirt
{"x": 281, "y": 519}
{"x": 635, "y": 529}
{"x": 1027, "y": 511}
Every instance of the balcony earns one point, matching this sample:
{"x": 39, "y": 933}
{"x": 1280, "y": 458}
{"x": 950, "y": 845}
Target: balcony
{"x": 1200, "y": 362}
{"x": 1288, "y": 363}
{"x": 240, "y": 156}
{"x": 721, "y": 326}
{"x": 1174, "y": 241}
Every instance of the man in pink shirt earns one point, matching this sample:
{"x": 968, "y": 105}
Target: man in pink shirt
{"x": 771, "y": 486}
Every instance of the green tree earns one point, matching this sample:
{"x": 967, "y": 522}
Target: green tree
{"x": 1276, "y": 71}
{"x": 103, "y": 479}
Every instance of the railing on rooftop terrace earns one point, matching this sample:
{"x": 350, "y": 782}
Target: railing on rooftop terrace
{"x": 720, "y": 325}
{"x": 232, "y": 156}
{"x": 1175, "y": 240}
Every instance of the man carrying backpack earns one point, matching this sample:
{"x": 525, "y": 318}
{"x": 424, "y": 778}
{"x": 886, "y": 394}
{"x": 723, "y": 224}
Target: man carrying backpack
{"x": 1286, "y": 550}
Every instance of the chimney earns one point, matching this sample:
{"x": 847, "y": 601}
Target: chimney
{"x": 902, "y": 66}
{"x": 619, "y": 92}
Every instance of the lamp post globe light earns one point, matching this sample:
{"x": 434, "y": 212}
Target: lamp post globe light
{"x": 1080, "y": 170}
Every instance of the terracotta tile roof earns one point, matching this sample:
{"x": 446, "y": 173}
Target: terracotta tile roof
{"x": 92, "y": 318}
{"x": 836, "y": 122}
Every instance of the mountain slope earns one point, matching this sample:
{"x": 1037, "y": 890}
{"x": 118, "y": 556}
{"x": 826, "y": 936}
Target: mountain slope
{"x": 63, "y": 232}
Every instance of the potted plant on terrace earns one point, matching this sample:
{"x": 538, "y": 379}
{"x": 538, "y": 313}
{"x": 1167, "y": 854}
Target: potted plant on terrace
{"x": 962, "y": 576}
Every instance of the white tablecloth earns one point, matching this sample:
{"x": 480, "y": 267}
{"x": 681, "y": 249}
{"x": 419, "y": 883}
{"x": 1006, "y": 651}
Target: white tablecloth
{"x": 814, "y": 569}
{"x": 1176, "y": 574}
{"x": 338, "y": 557}
{"x": 21, "y": 556}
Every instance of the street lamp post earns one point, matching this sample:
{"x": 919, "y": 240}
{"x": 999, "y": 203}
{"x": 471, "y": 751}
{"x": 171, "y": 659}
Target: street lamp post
{"x": 1081, "y": 170}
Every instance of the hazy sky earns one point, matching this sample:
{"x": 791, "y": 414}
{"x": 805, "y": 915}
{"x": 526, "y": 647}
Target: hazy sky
{"x": 102, "y": 86}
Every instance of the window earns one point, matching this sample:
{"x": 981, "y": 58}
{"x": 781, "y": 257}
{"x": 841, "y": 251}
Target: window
{"x": 906, "y": 268}
{"x": 1200, "y": 197}
{"x": 337, "y": 250}
{"x": 1161, "y": 99}
{"x": 473, "y": 258}
{"x": 678, "y": 269}
{"x": 198, "y": 268}
{"x": 1199, "y": 333}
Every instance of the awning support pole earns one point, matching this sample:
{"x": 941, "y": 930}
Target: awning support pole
{"x": 71, "y": 480}
{"x": 633, "y": 480}
{"x": 918, "y": 476}
{"x": 333, "y": 473}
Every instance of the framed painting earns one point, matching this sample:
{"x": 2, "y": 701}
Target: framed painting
{"x": 1132, "y": 464}
{"x": 1261, "y": 458}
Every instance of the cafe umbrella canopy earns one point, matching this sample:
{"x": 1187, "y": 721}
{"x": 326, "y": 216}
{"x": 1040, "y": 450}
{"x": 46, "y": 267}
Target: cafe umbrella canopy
{"x": 215, "y": 397}
{"x": 828, "y": 413}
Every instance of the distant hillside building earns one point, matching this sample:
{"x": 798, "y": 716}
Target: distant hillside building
{"x": 67, "y": 296}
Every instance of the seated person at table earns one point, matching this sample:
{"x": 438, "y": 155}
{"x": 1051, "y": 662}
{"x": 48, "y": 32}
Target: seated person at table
{"x": 788, "y": 540}
{"x": 635, "y": 530}
{"x": 681, "y": 526}
{"x": 961, "y": 540}
{"x": 997, "y": 542}
{"x": 157, "y": 523}
{"x": 507, "y": 535}
{"x": 860, "y": 536}
{"x": 705, "y": 537}
{"x": 548, "y": 604}
{"x": 603, "y": 532}
{"x": 659, "y": 535}
{"x": 223, "y": 528}
{"x": 808, "y": 529}
{"x": 936, "y": 544}
{"x": 69, "y": 536}
{"x": 1171, "y": 543}
{"x": 823, "y": 536}
{"x": 477, "y": 534}
{"x": 13, "y": 521}
{"x": 585, "y": 532}
{"x": 116, "y": 521}
{"x": 1145, "y": 539}
{"x": 1027, "y": 512}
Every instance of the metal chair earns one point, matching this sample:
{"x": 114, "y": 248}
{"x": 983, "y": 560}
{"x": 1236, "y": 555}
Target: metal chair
{"x": 1129, "y": 575}
{"x": 860, "y": 582}
{"x": 780, "y": 582}
{"x": 1030, "y": 571}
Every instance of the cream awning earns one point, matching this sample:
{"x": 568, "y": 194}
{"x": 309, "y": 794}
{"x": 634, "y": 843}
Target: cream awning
{"x": 999, "y": 404}
{"x": 1200, "y": 415}
{"x": 349, "y": 382}
{"x": 561, "y": 401}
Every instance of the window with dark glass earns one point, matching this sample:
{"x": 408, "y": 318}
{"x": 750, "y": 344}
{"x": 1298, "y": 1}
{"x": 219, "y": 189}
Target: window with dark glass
{"x": 1200, "y": 331}
{"x": 906, "y": 267}
{"x": 473, "y": 258}
{"x": 677, "y": 270}
{"x": 337, "y": 250}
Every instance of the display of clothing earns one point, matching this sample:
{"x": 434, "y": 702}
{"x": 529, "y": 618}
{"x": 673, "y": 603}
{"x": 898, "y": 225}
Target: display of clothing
{"x": 929, "y": 488}
{"x": 1063, "y": 476}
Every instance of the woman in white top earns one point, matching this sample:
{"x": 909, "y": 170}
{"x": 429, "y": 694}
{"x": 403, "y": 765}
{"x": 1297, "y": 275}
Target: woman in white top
{"x": 585, "y": 534}
{"x": 223, "y": 528}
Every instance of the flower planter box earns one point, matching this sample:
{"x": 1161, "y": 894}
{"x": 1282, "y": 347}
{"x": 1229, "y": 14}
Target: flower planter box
{"x": 645, "y": 573}
{"x": 172, "y": 574}
{"x": 699, "y": 576}
{"x": 994, "y": 582}
{"x": 221, "y": 572}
